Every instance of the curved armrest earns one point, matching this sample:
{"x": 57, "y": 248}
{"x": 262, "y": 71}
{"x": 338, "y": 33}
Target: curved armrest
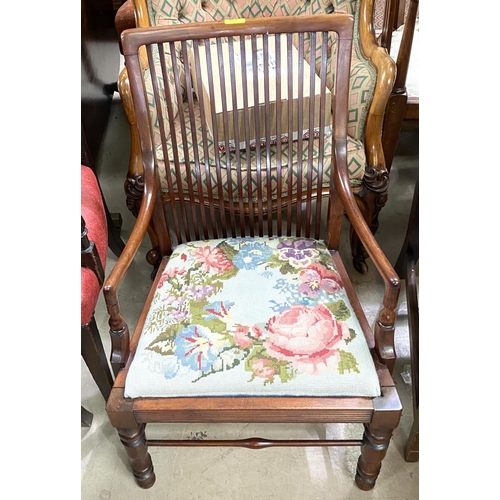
{"x": 141, "y": 225}
{"x": 384, "y": 327}
{"x": 389, "y": 275}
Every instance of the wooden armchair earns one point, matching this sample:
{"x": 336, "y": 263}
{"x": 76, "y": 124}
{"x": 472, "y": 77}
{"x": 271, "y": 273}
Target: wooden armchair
{"x": 251, "y": 317}
{"x": 371, "y": 81}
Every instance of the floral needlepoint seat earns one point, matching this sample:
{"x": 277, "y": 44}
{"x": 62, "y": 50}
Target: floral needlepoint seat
{"x": 204, "y": 336}
{"x": 251, "y": 317}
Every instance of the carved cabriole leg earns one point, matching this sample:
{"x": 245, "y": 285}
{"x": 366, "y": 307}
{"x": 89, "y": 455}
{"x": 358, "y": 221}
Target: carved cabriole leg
{"x": 386, "y": 415}
{"x": 134, "y": 441}
{"x": 371, "y": 198}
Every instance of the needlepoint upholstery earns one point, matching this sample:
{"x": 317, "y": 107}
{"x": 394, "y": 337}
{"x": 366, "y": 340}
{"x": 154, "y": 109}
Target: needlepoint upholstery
{"x": 254, "y": 317}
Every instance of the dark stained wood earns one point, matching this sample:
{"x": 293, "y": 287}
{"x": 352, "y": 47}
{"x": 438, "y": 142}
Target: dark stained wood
{"x": 377, "y": 437}
{"x": 371, "y": 196}
{"x": 86, "y": 418}
{"x": 399, "y": 107}
{"x": 255, "y": 443}
{"x": 134, "y": 441}
{"x": 92, "y": 351}
{"x": 379, "y": 415}
{"x": 100, "y": 65}
{"x": 405, "y": 266}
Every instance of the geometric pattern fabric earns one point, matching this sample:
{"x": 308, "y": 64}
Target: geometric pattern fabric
{"x": 362, "y": 80}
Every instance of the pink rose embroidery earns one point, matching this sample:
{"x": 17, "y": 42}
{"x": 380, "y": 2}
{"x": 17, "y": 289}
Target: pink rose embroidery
{"x": 262, "y": 370}
{"x": 170, "y": 273}
{"x": 212, "y": 259}
{"x": 245, "y": 336}
{"x": 309, "y": 337}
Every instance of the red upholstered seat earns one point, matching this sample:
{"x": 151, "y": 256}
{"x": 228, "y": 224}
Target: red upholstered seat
{"x": 92, "y": 211}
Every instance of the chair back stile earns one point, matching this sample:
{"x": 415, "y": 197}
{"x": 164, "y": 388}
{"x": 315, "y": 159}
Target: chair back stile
{"x": 248, "y": 156}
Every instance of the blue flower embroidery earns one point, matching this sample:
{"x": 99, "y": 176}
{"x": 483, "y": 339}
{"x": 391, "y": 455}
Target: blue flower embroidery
{"x": 217, "y": 310}
{"x": 251, "y": 254}
{"x": 198, "y": 347}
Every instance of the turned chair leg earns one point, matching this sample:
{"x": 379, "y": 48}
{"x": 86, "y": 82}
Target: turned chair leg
{"x": 376, "y": 439}
{"x": 373, "y": 451}
{"x": 134, "y": 441}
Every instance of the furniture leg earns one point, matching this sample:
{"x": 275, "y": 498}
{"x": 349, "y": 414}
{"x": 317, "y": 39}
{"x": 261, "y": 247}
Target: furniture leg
{"x": 87, "y": 417}
{"x": 134, "y": 441}
{"x": 95, "y": 357}
{"x": 377, "y": 437}
{"x": 115, "y": 243}
{"x": 405, "y": 267}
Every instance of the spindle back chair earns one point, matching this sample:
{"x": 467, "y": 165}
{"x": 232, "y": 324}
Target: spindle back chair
{"x": 251, "y": 316}
{"x": 371, "y": 80}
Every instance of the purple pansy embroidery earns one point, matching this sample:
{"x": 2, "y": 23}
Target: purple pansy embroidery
{"x": 298, "y": 253}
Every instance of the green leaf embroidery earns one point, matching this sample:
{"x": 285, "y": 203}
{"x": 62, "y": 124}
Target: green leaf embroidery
{"x": 287, "y": 268}
{"x": 352, "y": 337}
{"x": 283, "y": 369}
{"x": 228, "y": 250}
{"x": 339, "y": 310}
{"x": 164, "y": 343}
{"x": 347, "y": 363}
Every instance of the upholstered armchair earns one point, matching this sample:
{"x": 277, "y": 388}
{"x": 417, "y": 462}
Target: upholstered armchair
{"x": 371, "y": 82}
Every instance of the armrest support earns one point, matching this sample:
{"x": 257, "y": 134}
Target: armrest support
{"x": 118, "y": 327}
{"x": 384, "y": 328}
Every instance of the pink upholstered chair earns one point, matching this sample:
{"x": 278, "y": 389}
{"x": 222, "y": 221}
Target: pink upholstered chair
{"x": 94, "y": 238}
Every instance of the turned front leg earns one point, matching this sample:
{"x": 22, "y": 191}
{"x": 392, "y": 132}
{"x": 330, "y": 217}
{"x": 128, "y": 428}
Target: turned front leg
{"x": 134, "y": 441}
{"x": 376, "y": 438}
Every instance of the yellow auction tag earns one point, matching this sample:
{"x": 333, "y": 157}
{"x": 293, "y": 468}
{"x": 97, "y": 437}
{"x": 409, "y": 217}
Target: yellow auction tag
{"x": 234, "y": 21}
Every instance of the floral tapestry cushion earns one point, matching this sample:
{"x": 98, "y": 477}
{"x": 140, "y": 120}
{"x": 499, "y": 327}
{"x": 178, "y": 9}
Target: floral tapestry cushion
{"x": 252, "y": 317}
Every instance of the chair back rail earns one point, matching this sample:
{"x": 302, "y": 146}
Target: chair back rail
{"x": 214, "y": 189}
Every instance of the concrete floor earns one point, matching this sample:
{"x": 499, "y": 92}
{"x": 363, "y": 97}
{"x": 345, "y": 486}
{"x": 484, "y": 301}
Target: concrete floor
{"x": 240, "y": 474}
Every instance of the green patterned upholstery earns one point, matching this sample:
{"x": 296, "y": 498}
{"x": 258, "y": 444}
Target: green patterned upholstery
{"x": 362, "y": 81}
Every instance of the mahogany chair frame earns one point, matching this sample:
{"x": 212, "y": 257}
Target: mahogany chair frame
{"x": 400, "y": 106}
{"x": 373, "y": 194}
{"x": 380, "y": 415}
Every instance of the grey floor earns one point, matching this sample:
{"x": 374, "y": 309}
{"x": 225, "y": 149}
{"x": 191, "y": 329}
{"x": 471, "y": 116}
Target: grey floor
{"x": 234, "y": 474}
